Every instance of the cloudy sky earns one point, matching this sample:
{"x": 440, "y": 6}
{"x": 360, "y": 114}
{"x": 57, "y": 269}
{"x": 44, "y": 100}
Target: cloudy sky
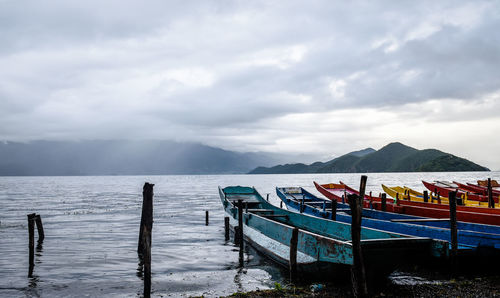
{"x": 321, "y": 77}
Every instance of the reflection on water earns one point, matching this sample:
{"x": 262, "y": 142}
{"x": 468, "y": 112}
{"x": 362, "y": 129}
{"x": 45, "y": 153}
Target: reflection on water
{"x": 92, "y": 223}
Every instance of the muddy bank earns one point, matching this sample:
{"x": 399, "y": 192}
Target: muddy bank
{"x": 399, "y": 285}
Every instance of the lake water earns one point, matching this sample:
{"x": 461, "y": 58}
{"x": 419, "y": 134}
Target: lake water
{"x": 92, "y": 223}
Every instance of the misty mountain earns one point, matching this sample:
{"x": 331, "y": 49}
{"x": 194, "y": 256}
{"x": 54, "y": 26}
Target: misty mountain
{"x": 394, "y": 157}
{"x": 125, "y": 158}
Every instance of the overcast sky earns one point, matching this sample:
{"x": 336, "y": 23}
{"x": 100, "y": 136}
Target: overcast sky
{"x": 323, "y": 77}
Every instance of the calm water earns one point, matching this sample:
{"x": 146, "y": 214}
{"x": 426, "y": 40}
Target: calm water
{"x": 92, "y": 224}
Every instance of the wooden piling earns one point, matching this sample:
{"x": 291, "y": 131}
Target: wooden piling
{"x": 31, "y": 242}
{"x": 453, "y": 228}
{"x": 362, "y": 187}
{"x": 334, "y": 210}
{"x": 226, "y": 228}
{"x": 237, "y": 235}
{"x": 293, "y": 254}
{"x": 384, "y": 202}
{"x": 146, "y": 241}
{"x": 240, "y": 230}
{"x": 397, "y": 199}
{"x": 206, "y": 217}
{"x": 147, "y": 214}
{"x": 359, "y": 286}
{"x": 491, "y": 202}
{"x": 426, "y": 196}
{"x": 39, "y": 227}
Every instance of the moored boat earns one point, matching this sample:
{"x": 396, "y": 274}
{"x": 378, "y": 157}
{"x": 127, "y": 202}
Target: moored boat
{"x": 445, "y": 190}
{"x": 322, "y": 243}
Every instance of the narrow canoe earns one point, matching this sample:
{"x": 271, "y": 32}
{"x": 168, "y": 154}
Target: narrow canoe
{"x": 322, "y": 242}
{"x": 445, "y": 190}
{"x": 442, "y": 203}
{"x": 484, "y": 189}
{"x": 470, "y": 235}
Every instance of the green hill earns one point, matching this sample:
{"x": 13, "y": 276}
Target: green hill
{"x": 394, "y": 157}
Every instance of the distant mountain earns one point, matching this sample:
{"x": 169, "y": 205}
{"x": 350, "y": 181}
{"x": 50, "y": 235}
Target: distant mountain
{"x": 125, "y": 158}
{"x": 395, "y": 157}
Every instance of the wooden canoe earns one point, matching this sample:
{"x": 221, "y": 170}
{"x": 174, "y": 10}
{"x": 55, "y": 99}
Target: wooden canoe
{"x": 442, "y": 203}
{"x": 445, "y": 190}
{"x": 321, "y": 242}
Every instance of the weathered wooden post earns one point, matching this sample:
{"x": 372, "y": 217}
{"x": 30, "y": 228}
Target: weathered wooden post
{"x": 293, "y": 254}
{"x": 206, "y": 217}
{"x": 226, "y": 228}
{"x": 358, "y": 276}
{"x": 334, "y": 210}
{"x": 39, "y": 227}
{"x": 491, "y": 202}
{"x": 237, "y": 235}
{"x": 453, "y": 228}
{"x": 240, "y": 229}
{"x": 384, "y": 202}
{"x": 146, "y": 241}
{"x": 147, "y": 215}
{"x": 426, "y": 196}
{"x": 31, "y": 242}
{"x": 362, "y": 187}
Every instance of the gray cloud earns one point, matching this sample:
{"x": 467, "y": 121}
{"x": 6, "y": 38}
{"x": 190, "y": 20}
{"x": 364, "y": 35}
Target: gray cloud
{"x": 213, "y": 70}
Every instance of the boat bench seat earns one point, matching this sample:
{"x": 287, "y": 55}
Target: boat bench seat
{"x": 274, "y": 215}
{"x": 261, "y": 210}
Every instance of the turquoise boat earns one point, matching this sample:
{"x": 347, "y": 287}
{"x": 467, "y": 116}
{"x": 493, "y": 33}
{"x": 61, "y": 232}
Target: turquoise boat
{"x": 322, "y": 244}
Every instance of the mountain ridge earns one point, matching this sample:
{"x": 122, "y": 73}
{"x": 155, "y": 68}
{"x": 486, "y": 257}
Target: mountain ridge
{"x": 394, "y": 157}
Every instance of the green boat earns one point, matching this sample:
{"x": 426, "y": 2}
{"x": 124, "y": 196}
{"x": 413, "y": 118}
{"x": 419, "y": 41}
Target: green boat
{"x": 323, "y": 245}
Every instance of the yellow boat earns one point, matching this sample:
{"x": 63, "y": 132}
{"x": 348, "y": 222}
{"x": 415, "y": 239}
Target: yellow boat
{"x": 408, "y": 194}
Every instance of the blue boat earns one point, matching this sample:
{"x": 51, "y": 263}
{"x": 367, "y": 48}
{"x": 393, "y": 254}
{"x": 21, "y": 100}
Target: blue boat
{"x": 471, "y": 237}
{"x": 322, "y": 243}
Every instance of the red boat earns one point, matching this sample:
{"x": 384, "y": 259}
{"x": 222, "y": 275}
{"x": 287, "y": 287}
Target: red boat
{"x": 444, "y": 192}
{"x": 464, "y": 213}
{"x": 494, "y": 191}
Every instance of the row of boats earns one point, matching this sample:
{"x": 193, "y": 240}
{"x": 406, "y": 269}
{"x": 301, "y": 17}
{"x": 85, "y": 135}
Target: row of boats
{"x": 403, "y": 234}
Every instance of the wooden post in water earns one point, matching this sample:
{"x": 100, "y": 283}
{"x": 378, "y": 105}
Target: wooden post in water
{"x": 491, "y": 203}
{"x": 226, "y": 228}
{"x": 31, "y": 242}
{"x": 147, "y": 215}
{"x": 358, "y": 276}
{"x": 146, "y": 250}
{"x": 362, "y": 187}
{"x": 384, "y": 202}
{"x": 240, "y": 229}
{"x": 453, "y": 228}
{"x": 293, "y": 254}
{"x": 334, "y": 209}
{"x": 206, "y": 217}
{"x": 39, "y": 227}
{"x": 426, "y": 196}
